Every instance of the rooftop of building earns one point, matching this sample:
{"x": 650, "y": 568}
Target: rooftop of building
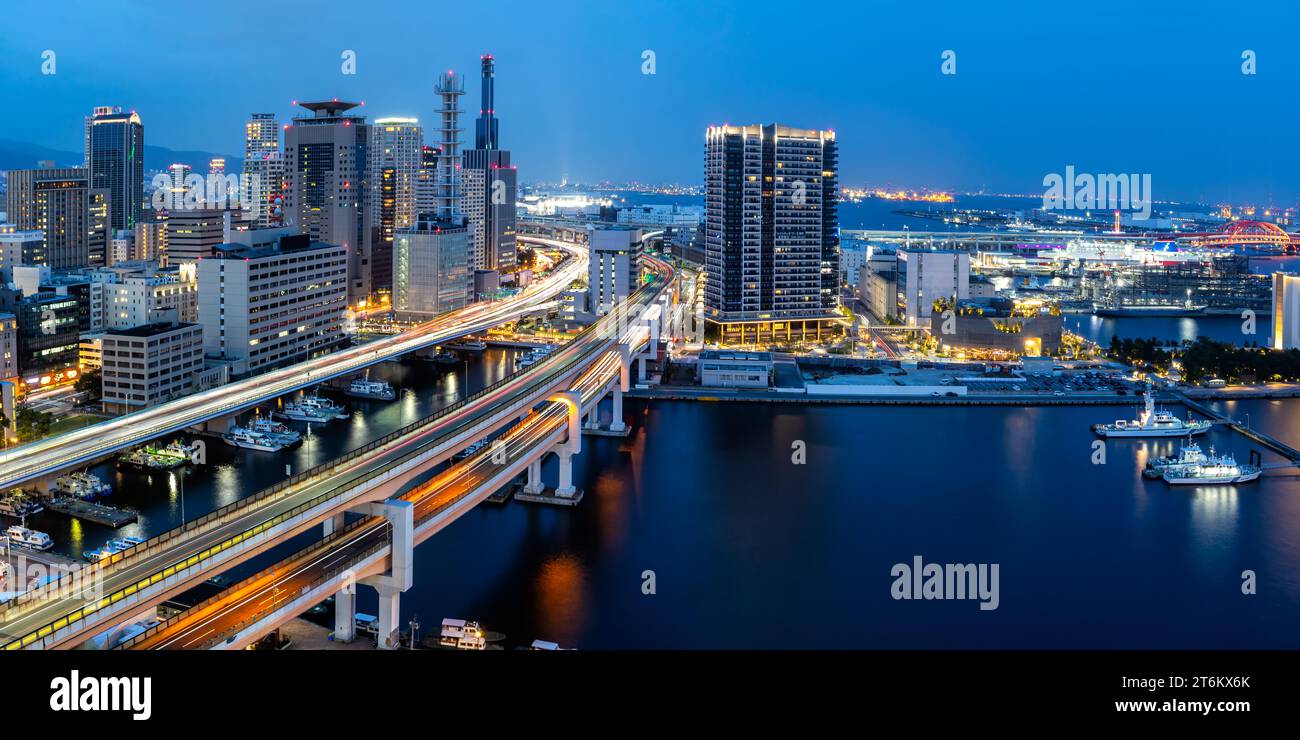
{"x": 284, "y": 246}
{"x": 148, "y": 330}
{"x": 735, "y": 354}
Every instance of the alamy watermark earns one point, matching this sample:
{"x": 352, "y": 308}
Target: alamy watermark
{"x": 1085, "y": 192}
{"x": 946, "y": 581}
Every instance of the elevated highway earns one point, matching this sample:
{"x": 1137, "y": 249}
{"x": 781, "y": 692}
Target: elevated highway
{"x": 69, "y": 610}
{"x": 45, "y": 459}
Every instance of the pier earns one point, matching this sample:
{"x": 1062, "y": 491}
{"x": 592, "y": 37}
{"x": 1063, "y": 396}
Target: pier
{"x": 108, "y": 516}
{"x": 1265, "y": 440}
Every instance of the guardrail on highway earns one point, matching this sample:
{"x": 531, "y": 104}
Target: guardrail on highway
{"x": 56, "y": 590}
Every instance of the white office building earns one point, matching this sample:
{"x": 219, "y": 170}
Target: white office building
{"x": 613, "y": 268}
{"x": 263, "y": 307}
{"x": 148, "y": 365}
{"x": 926, "y": 276}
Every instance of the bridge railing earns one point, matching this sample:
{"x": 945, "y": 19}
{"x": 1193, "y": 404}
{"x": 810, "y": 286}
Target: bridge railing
{"x": 56, "y": 589}
{"x": 592, "y": 391}
{"x": 321, "y": 544}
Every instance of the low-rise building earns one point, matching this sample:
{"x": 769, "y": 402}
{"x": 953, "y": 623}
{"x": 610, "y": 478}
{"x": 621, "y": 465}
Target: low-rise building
{"x": 735, "y": 369}
{"x": 148, "y": 365}
{"x": 996, "y": 328}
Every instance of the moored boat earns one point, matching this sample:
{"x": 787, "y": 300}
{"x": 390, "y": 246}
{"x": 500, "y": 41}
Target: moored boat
{"x": 1152, "y": 423}
{"x": 275, "y": 430}
{"x": 1214, "y": 471}
{"x": 371, "y": 389}
{"x": 1188, "y": 454}
{"x": 17, "y": 504}
{"x": 247, "y": 439}
{"x": 20, "y": 536}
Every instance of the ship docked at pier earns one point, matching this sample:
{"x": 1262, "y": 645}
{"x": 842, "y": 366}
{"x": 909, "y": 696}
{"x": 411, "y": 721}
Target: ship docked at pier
{"x": 1152, "y": 423}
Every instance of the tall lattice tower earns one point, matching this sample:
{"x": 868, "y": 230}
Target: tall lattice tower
{"x": 450, "y": 87}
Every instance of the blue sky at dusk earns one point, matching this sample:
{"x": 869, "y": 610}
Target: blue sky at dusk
{"x": 1106, "y": 87}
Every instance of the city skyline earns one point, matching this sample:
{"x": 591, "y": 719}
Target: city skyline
{"x": 1030, "y": 96}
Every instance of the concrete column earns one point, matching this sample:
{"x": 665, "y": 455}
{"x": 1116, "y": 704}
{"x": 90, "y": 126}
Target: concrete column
{"x": 534, "y": 485}
{"x": 566, "y": 474}
{"x": 401, "y": 516}
{"x": 389, "y": 608}
{"x": 345, "y": 614}
{"x": 333, "y": 524}
{"x": 616, "y": 421}
{"x": 573, "y": 400}
{"x": 624, "y": 367}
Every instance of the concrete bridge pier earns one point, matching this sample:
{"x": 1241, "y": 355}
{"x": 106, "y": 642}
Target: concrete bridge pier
{"x": 534, "y": 485}
{"x": 333, "y": 524}
{"x": 401, "y": 516}
{"x": 572, "y": 444}
{"x": 345, "y": 614}
{"x": 219, "y": 425}
{"x": 616, "y": 423}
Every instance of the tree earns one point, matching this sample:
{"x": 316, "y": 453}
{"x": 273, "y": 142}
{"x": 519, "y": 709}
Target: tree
{"x": 32, "y": 424}
{"x": 91, "y": 383}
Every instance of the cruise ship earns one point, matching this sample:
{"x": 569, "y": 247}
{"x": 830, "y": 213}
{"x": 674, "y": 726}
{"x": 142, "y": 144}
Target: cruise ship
{"x": 250, "y": 440}
{"x": 371, "y": 389}
{"x": 1214, "y": 471}
{"x": 1152, "y": 423}
{"x": 20, "y": 536}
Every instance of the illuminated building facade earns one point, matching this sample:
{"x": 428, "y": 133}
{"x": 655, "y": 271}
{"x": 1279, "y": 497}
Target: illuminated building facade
{"x": 326, "y": 163}
{"x": 396, "y": 156}
{"x": 771, "y": 233}
{"x": 260, "y": 189}
{"x": 115, "y": 158}
{"x": 490, "y": 185}
{"x": 256, "y": 319}
{"x": 57, "y": 202}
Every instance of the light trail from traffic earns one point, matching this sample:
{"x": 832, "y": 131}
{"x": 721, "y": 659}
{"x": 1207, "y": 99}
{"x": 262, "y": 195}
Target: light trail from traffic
{"x": 45, "y": 458}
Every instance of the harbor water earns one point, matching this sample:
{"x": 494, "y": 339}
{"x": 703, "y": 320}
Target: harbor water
{"x": 748, "y": 549}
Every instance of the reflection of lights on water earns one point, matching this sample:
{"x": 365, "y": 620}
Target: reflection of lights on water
{"x": 77, "y": 535}
{"x": 561, "y": 598}
{"x": 1215, "y": 508}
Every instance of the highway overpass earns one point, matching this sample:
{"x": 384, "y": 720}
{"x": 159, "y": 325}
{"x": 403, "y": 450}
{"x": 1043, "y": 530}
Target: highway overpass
{"x": 63, "y": 613}
{"x": 45, "y": 459}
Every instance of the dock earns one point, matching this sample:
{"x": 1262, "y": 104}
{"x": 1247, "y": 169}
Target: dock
{"x": 1265, "y": 440}
{"x": 549, "y": 496}
{"x": 107, "y": 516}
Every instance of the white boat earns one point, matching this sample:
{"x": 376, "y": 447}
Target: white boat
{"x": 1152, "y": 423}
{"x": 82, "y": 485}
{"x": 1188, "y": 454}
{"x": 251, "y": 440}
{"x": 19, "y": 505}
{"x": 109, "y": 549}
{"x": 275, "y": 430}
{"x": 325, "y": 407}
{"x": 302, "y": 412}
{"x": 443, "y": 357}
{"x": 374, "y": 389}
{"x": 463, "y": 635}
{"x": 20, "y": 536}
{"x": 1216, "y": 470}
